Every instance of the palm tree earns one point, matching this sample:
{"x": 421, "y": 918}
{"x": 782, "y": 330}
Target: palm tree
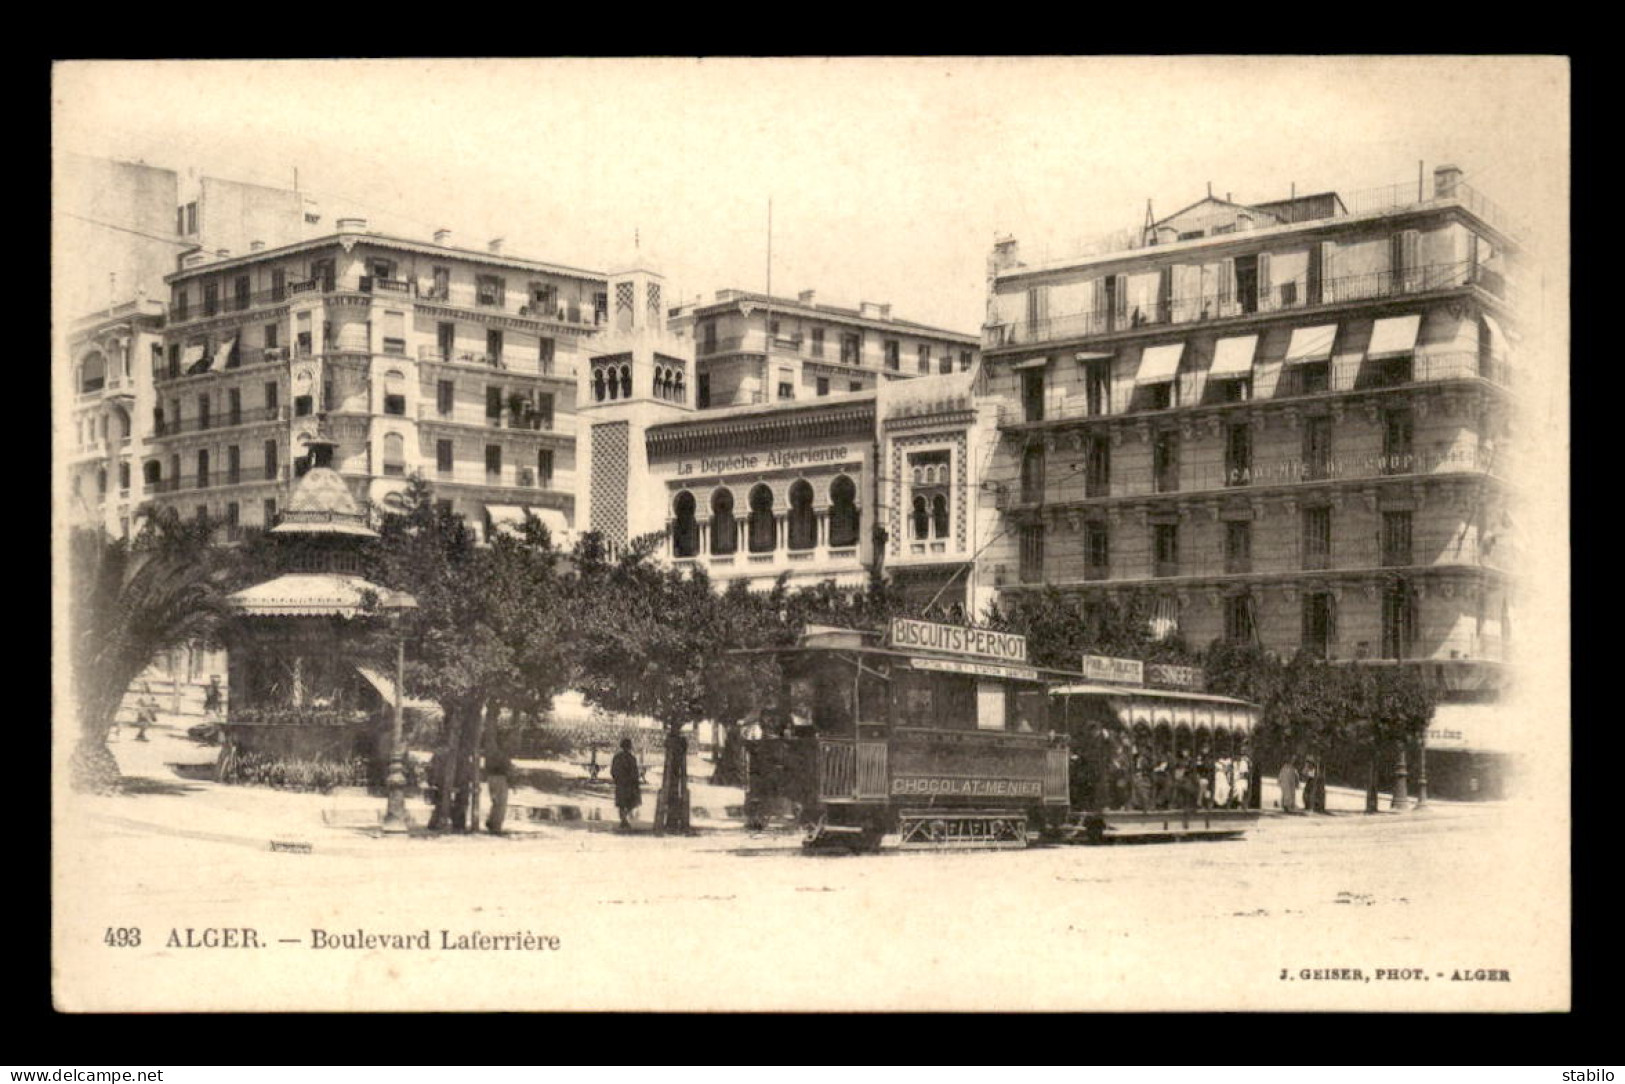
{"x": 132, "y": 600}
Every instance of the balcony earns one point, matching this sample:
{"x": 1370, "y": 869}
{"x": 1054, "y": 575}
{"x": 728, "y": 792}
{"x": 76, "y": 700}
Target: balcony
{"x": 256, "y": 416}
{"x": 1283, "y": 297}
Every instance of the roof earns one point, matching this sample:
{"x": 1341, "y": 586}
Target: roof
{"x": 315, "y": 594}
{"x": 833, "y": 313}
{"x": 322, "y": 504}
{"x": 939, "y": 393}
{"x": 763, "y": 423}
{"x": 1135, "y": 690}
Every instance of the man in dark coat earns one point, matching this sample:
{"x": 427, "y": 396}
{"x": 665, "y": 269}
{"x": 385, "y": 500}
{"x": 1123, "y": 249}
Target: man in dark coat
{"x": 498, "y": 767}
{"x": 624, "y": 770}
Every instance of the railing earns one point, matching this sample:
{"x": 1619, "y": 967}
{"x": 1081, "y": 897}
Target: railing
{"x": 255, "y": 416}
{"x": 1282, "y": 297}
{"x": 727, "y": 344}
{"x": 837, "y": 769}
{"x": 1271, "y": 381}
{"x": 872, "y": 780}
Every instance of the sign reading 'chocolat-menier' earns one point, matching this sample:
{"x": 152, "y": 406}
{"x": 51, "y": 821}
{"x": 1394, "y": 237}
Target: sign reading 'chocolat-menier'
{"x": 958, "y": 639}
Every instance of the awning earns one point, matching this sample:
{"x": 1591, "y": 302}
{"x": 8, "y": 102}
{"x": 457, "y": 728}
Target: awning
{"x": 1498, "y": 339}
{"x": 511, "y": 518}
{"x": 223, "y": 358}
{"x": 1031, "y": 363}
{"x": 1477, "y": 728}
{"x": 1311, "y": 344}
{"x": 1092, "y": 355}
{"x": 386, "y": 689}
{"x": 1233, "y": 357}
{"x": 1159, "y": 364}
{"x": 191, "y": 356}
{"x": 1394, "y": 335}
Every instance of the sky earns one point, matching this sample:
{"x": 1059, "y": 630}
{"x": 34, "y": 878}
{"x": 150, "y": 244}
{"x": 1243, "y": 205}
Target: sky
{"x": 888, "y": 178}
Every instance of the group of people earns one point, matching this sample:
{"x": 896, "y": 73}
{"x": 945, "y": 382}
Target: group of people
{"x": 1150, "y": 780}
{"x": 1302, "y": 776}
{"x": 498, "y": 770}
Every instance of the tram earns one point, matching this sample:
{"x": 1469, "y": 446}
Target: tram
{"x": 940, "y": 736}
{"x": 943, "y": 736}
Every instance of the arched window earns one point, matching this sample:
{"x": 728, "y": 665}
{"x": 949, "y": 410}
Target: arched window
{"x": 763, "y": 531}
{"x": 685, "y": 532}
{"x": 394, "y": 455}
{"x": 843, "y": 512}
{"x": 678, "y": 392}
{"x": 939, "y": 516}
{"x": 659, "y": 382}
{"x": 921, "y": 516}
{"x": 93, "y": 372}
{"x": 803, "y": 524}
{"x": 614, "y": 385}
{"x": 626, "y": 381}
{"x": 724, "y": 531}
{"x": 598, "y": 385}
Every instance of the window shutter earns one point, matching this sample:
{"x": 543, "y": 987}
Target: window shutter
{"x": 1227, "y": 281}
{"x": 1328, "y": 261}
{"x": 1165, "y": 289}
{"x": 1121, "y": 296}
{"x": 1263, "y": 279}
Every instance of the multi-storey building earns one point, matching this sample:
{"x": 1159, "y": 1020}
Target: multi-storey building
{"x": 413, "y": 357}
{"x": 112, "y": 355}
{"x": 1285, "y": 421}
{"x": 753, "y": 348}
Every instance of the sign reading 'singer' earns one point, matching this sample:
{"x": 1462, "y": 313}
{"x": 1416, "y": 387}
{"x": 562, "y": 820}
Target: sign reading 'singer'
{"x": 958, "y": 639}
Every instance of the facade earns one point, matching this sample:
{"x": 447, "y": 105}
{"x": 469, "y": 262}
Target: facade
{"x": 414, "y": 356}
{"x": 1287, "y": 422}
{"x": 105, "y": 445}
{"x": 753, "y": 349}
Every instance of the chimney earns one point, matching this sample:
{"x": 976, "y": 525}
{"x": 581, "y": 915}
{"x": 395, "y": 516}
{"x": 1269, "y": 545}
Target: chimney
{"x": 222, "y": 253}
{"x": 885, "y": 311}
{"x": 193, "y": 259}
{"x": 495, "y": 246}
{"x": 1006, "y": 254}
{"x": 351, "y": 225}
{"x": 442, "y": 236}
{"x": 869, "y": 310}
{"x": 1445, "y": 179}
{"x": 256, "y": 246}
{"x": 806, "y": 297}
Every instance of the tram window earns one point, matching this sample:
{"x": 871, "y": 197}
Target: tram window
{"x": 990, "y": 705}
{"x": 1028, "y": 711}
{"x": 937, "y": 701}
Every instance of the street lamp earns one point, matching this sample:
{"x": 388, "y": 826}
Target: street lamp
{"x": 395, "y": 812}
{"x": 1422, "y": 771}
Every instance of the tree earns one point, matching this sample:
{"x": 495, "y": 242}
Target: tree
{"x": 132, "y": 600}
{"x": 1396, "y": 704}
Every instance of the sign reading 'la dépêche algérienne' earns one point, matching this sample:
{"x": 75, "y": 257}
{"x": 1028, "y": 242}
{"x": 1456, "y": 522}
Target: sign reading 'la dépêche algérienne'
{"x": 958, "y": 639}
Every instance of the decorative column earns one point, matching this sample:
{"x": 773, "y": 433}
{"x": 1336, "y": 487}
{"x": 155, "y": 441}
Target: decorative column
{"x": 705, "y": 538}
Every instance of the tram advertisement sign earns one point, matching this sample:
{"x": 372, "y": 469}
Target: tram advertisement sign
{"x": 950, "y": 786}
{"x": 1179, "y": 677}
{"x": 959, "y": 639}
{"x": 980, "y": 669}
{"x": 1114, "y": 671}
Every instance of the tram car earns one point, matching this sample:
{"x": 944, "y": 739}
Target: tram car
{"x": 1156, "y": 763}
{"x": 940, "y": 736}
{"x": 943, "y": 736}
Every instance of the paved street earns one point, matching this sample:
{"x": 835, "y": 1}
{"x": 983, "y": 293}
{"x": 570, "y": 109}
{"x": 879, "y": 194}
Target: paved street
{"x": 741, "y": 920}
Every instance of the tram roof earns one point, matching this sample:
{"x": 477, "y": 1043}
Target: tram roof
{"x": 1135, "y": 690}
{"x": 1045, "y": 676}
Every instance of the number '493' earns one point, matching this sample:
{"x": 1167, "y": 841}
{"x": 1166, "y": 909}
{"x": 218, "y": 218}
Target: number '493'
{"x": 122, "y": 936}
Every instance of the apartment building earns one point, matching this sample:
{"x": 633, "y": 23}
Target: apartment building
{"x": 753, "y": 348}
{"x": 104, "y": 445}
{"x": 411, "y": 356}
{"x": 1286, "y": 421}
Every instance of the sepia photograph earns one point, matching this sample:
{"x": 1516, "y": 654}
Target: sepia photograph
{"x": 885, "y": 534}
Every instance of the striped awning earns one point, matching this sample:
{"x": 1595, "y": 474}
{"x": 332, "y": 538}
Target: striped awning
{"x": 1233, "y": 357}
{"x": 1394, "y": 335}
{"x": 1160, "y": 364}
{"x": 1311, "y": 344}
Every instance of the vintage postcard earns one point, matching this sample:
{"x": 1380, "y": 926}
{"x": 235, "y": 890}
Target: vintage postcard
{"x": 803, "y": 534}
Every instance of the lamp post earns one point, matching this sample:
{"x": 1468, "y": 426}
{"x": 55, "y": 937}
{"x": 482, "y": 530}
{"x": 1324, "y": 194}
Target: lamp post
{"x": 1401, "y": 798}
{"x": 1422, "y": 771}
{"x": 395, "y": 813}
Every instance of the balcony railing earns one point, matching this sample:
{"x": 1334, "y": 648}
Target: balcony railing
{"x": 1289, "y": 382}
{"x": 255, "y": 416}
{"x": 1282, "y": 297}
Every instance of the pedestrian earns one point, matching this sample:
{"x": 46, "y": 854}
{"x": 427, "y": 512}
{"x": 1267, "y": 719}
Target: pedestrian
{"x": 434, "y": 784}
{"x": 1311, "y": 792}
{"x": 624, "y": 771}
{"x": 498, "y": 767}
{"x": 1289, "y": 788}
{"x": 212, "y": 700}
{"x": 146, "y": 715}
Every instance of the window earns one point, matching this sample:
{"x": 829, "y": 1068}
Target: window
{"x": 1032, "y": 394}
{"x": 380, "y": 268}
{"x": 270, "y": 459}
{"x": 394, "y": 455}
{"x": 1238, "y": 546}
{"x": 1398, "y": 429}
{"x": 92, "y": 373}
{"x": 203, "y": 468}
{"x": 1317, "y": 448}
{"x": 394, "y": 333}
{"x": 101, "y": 481}
{"x": 773, "y": 329}
{"x": 182, "y": 304}
{"x": 1247, "y": 283}
{"x": 271, "y": 333}
{"x": 152, "y": 472}
{"x": 1032, "y": 475}
{"x": 445, "y": 340}
{"x": 234, "y": 406}
{"x": 279, "y": 284}
{"x": 544, "y": 409}
{"x": 268, "y": 512}
{"x": 854, "y": 385}
{"x": 241, "y": 290}
{"x": 490, "y": 290}
{"x": 803, "y": 524}
{"x": 851, "y": 348}
{"x": 445, "y": 396}
{"x": 1165, "y": 548}
{"x": 817, "y": 342}
{"x": 1238, "y": 390}
{"x": 1317, "y": 537}
{"x": 702, "y": 391}
{"x": 1398, "y": 621}
{"x": 1032, "y": 553}
{"x": 1314, "y": 377}
{"x": 920, "y": 517}
{"x": 493, "y": 460}
{"x": 395, "y": 393}
{"x": 191, "y": 217}
{"x": 685, "y": 529}
{"x": 1396, "y": 539}
{"x": 893, "y": 354}
{"x": 544, "y": 355}
{"x": 823, "y": 385}
{"x": 843, "y": 512}
{"x": 945, "y": 364}
{"x": 1097, "y": 553}
{"x": 124, "y": 477}
{"x": 1238, "y": 454}
{"x": 544, "y": 299}
{"x": 211, "y": 298}
{"x": 174, "y": 360}
{"x": 929, "y": 481}
{"x": 1160, "y": 396}
{"x": 442, "y": 456}
{"x": 787, "y": 386}
{"x": 234, "y": 464}
{"x": 441, "y": 288}
{"x": 724, "y": 528}
{"x": 273, "y": 392}
{"x": 231, "y": 519}
{"x": 1240, "y": 625}
{"x": 764, "y": 528}
{"x": 1319, "y": 629}
{"x": 1097, "y": 476}
{"x": 493, "y": 404}
{"x": 544, "y": 468}
{"x": 493, "y": 346}
{"x": 925, "y": 358}
{"x": 1097, "y": 386}
{"x": 964, "y": 361}
{"x": 202, "y": 412}
{"x": 1165, "y": 461}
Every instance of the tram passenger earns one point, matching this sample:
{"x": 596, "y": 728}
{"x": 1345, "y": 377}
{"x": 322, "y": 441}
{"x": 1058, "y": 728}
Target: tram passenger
{"x": 1143, "y": 793}
{"x": 1162, "y": 786}
{"x": 1241, "y": 791}
{"x": 1223, "y": 781}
